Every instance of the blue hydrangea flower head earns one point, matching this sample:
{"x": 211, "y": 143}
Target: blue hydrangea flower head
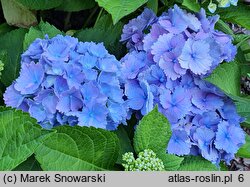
{"x": 66, "y": 82}
{"x": 179, "y": 50}
{"x": 194, "y": 107}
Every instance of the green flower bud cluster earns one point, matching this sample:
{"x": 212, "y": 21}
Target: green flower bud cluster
{"x": 146, "y": 161}
{"x": 221, "y": 3}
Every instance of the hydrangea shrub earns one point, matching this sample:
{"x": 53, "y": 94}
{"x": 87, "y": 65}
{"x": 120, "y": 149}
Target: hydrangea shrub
{"x": 66, "y": 82}
{"x": 173, "y": 85}
{"x": 63, "y": 81}
{"x": 166, "y": 65}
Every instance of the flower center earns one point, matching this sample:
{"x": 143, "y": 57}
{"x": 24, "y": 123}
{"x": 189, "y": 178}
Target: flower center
{"x": 161, "y": 79}
{"x": 174, "y": 60}
{"x": 193, "y": 55}
{"x": 170, "y": 49}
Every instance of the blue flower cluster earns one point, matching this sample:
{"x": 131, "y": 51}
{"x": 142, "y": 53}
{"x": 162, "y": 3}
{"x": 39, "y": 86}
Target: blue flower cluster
{"x": 133, "y": 32}
{"x": 179, "y": 50}
{"x": 63, "y": 81}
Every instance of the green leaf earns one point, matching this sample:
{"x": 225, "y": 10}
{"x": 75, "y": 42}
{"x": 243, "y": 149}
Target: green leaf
{"x": 154, "y": 132}
{"x": 40, "y": 4}
{"x": 120, "y": 8}
{"x": 104, "y": 31}
{"x": 18, "y": 15}
{"x": 39, "y": 32}
{"x": 125, "y": 143}
{"x": 192, "y": 5}
{"x": 130, "y": 128}
{"x": 3, "y": 57}
{"x": 227, "y": 77}
{"x": 247, "y": 57}
{"x": 244, "y": 44}
{"x": 31, "y": 164}
{"x": 242, "y": 105}
{"x": 171, "y": 162}
{"x": 79, "y": 148}
{"x": 243, "y": 52}
{"x": 222, "y": 26}
{"x": 4, "y": 28}
{"x": 197, "y": 163}
{"x": 153, "y": 5}
{"x": 244, "y": 151}
{"x": 20, "y": 136}
{"x": 12, "y": 42}
{"x": 236, "y": 14}
{"x": 223, "y": 166}
{"x": 242, "y": 39}
{"x": 76, "y": 5}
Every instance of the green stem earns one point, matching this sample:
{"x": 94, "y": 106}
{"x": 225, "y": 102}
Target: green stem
{"x": 98, "y": 17}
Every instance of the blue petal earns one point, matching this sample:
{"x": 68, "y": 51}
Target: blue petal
{"x": 12, "y": 97}
{"x": 108, "y": 64}
{"x": 135, "y": 94}
{"x": 179, "y": 143}
{"x": 98, "y": 50}
{"x": 60, "y": 85}
{"x": 70, "y": 100}
{"x": 37, "y": 111}
{"x": 94, "y": 115}
{"x": 30, "y": 78}
{"x": 88, "y": 61}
